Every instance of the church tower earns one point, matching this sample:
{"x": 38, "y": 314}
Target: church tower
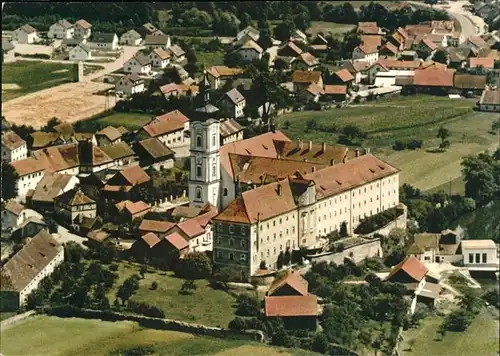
{"x": 204, "y": 177}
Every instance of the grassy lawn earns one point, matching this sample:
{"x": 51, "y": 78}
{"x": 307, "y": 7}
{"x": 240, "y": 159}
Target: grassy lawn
{"x": 332, "y": 27}
{"x": 131, "y": 121}
{"x": 358, "y": 4}
{"x": 481, "y": 338}
{"x": 404, "y": 118}
{"x": 455, "y": 186}
{"x": 210, "y": 58}
{"x": 44, "y": 335}
{"x": 205, "y": 306}
{"x": 24, "y": 77}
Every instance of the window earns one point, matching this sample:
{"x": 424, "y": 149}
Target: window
{"x": 198, "y": 141}
{"x": 213, "y": 140}
{"x": 198, "y": 171}
{"x": 231, "y": 256}
{"x": 198, "y": 193}
{"x": 478, "y": 257}
{"x": 231, "y": 229}
{"x": 243, "y": 257}
{"x": 484, "y": 258}
{"x": 219, "y": 254}
{"x": 225, "y": 194}
{"x": 214, "y": 171}
{"x": 243, "y": 244}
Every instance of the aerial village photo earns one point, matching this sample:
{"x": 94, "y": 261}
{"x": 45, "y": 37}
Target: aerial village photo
{"x": 271, "y": 178}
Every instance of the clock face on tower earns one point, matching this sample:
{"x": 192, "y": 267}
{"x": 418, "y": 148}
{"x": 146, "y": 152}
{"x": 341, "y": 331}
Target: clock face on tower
{"x": 198, "y": 160}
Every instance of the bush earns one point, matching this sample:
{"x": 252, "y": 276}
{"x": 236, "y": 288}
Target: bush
{"x": 145, "y": 309}
{"x": 188, "y": 287}
{"x": 399, "y": 145}
{"x": 237, "y": 324}
{"x": 195, "y": 265}
{"x": 247, "y": 305}
{"x": 154, "y": 285}
{"x": 134, "y": 351}
{"x": 377, "y": 221}
{"x": 414, "y": 144}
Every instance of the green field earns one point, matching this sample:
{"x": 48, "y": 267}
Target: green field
{"x": 196, "y": 308}
{"x": 210, "y": 58}
{"x": 481, "y": 338}
{"x": 404, "y": 118}
{"x": 131, "y": 121}
{"x": 23, "y": 77}
{"x": 332, "y": 27}
{"x": 44, "y": 335}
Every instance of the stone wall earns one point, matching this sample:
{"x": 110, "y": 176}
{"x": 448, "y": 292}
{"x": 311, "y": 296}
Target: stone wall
{"x": 357, "y": 253}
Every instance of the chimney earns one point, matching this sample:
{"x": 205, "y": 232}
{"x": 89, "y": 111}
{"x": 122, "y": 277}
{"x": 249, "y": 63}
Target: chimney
{"x": 301, "y": 144}
{"x": 323, "y": 147}
{"x": 332, "y": 162}
{"x": 279, "y": 189}
{"x": 310, "y": 146}
{"x": 357, "y": 152}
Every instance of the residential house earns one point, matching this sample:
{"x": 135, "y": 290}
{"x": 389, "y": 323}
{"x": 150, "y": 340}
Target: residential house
{"x": 385, "y": 65}
{"x": 480, "y": 253}
{"x": 307, "y": 61}
{"x": 153, "y": 153}
{"x": 369, "y": 28}
{"x": 61, "y": 29}
{"x": 124, "y": 181}
{"x": 8, "y": 53}
{"x": 439, "y": 39}
{"x": 289, "y": 49}
{"x": 108, "y": 136}
{"x": 159, "y": 58}
{"x": 298, "y": 36}
{"x": 50, "y": 186}
{"x": 13, "y": 147}
{"x": 174, "y": 89}
{"x": 138, "y": 64}
{"x": 169, "y": 128}
{"x": 120, "y": 153}
{"x": 131, "y": 38}
{"x": 233, "y": 103}
{"x": 104, "y": 41}
{"x": 249, "y": 51}
{"x": 441, "y": 247}
{"x": 83, "y": 225}
{"x": 31, "y": 226}
{"x": 485, "y": 63}
{"x": 25, "y": 34}
{"x": 160, "y": 250}
{"x": 71, "y": 204}
{"x": 490, "y": 100}
{"x": 22, "y": 274}
{"x": 157, "y": 227}
{"x": 312, "y": 92}
{"x": 408, "y": 55}
{"x": 217, "y": 75}
{"x": 81, "y": 52}
{"x": 393, "y": 77}
{"x": 342, "y": 77}
{"x": 468, "y": 83}
{"x": 357, "y": 69}
{"x": 476, "y": 42}
{"x": 319, "y": 44}
{"x": 248, "y": 31}
{"x": 230, "y": 131}
{"x": 150, "y": 29}
{"x": 302, "y": 79}
{"x": 438, "y": 81}
{"x": 334, "y": 93}
{"x": 177, "y": 54}
{"x": 12, "y": 214}
{"x": 132, "y": 210}
{"x": 30, "y": 172}
{"x": 425, "y": 46}
{"x": 130, "y": 84}
{"x": 157, "y": 41}
{"x": 69, "y": 43}
{"x": 388, "y": 50}
{"x": 82, "y": 29}
{"x": 364, "y": 53}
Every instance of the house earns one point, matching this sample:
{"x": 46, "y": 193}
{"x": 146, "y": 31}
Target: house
{"x": 289, "y": 49}
{"x": 490, "y": 100}
{"x": 480, "y": 253}
{"x": 438, "y": 81}
{"x": 125, "y": 180}
{"x": 69, "y": 43}
{"x": 249, "y": 51}
{"x": 153, "y": 153}
{"x": 233, "y": 103}
{"x": 25, "y": 34}
{"x": 365, "y": 53}
{"x": 441, "y": 247}
{"x": 83, "y": 225}
{"x": 230, "y": 131}
{"x": 393, "y": 77}
{"x": 8, "y": 54}
{"x": 157, "y": 41}
{"x": 130, "y": 84}
{"x": 388, "y": 50}
{"x": 51, "y": 186}
{"x": 476, "y": 42}
{"x": 158, "y": 227}
{"x": 104, "y": 41}
{"x": 177, "y": 53}
{"x": 248, "y": 31}
{"x": 159, "y": 58}
{"x": 81, "y": 52}
{"x": 319, "y": 44}
{"x": 61, "y": 29}
{"x": 27, "y": 268}
{"x": 108, "y": 136}
{"x": 13, "y": 147}
{"x": 385, "y": 65}
{"x": 292, "y": 283}
{"x": 302, "y": 79}
{"x": 217, "y": 75}
{"x": 298, "y": 36}
{"x": 169, "y": 128}
{"x": 335, "y": 93}
{"x": 12, "y": 214}
{"x": 439, "y": 39}
{"x": 306, "y": 60}
{"x": 131, "y": 38}
{"x": 179, "y": 90}
{"x": 138, "y": 64}
{"x": 342, "y": 77}
{"x": 485, "y": 63}
{"x": 31, "y": 226}
{"x": 425, "y": 45}
{"x": 82, "y": 29}
{"x": 150, "y": 29}
{"x": 408, "y": 55}
{"x": 357, "y": 69}
{"x": 368, "y": 28}
{"x": 132, "y": 210}
{"x": 72, "y": 203}
{"x": 312, "y": 92}
{"x": 30, "y": 172}
{"x": 120, "y": 153}
{"x": 160, "y": 250}
{"x": 467, "y": 83}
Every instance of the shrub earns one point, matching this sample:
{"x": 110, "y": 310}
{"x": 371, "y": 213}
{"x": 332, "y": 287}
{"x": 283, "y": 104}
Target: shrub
{"x": 145, "y": 309}
{"x": 134, "y": 351}
{"x": 237, "y": 324}
{"x": 154, "y": 285}
{"x": 195, "y": 265}
{"x": 378, "y": 221}
{"x": 414, "y": 144}
{"x": 188, "y": 287}
{"x": 399, "y": 145}
{"x": 247, "y": 305}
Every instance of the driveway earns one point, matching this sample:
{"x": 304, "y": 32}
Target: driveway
{"x": 63, "y": 236}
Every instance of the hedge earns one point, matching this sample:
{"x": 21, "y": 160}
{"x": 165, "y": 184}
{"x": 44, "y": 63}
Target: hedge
{"x": 378, "y": 221}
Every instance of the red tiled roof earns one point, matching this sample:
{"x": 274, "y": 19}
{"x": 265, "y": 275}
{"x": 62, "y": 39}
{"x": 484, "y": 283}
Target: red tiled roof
{"x": 151, "y": 239}
{"x": 28, "y": 166}
{"x": 11, "y": 140}
{"x": 83, "y": 24}
{"x": 293, "y": 279}
{"x": 314, "y": 89}
{"x": 395, "y": 64}
{"x": 485, "y": 62}
{"x": 390, "y": 47}
{"x": 14, "y": 207}
{"x": 429, "y": 43}
{"x": 301, "y": 76}
{"x": 367, "y": 49}
{"x": 308, "y": 59}
{"x": 371, "y": 40}
{"x": 490, "y": 97}
{"x": 335, "y": 89}
{"x": 175, "y": 115}
{"x": 293, "y": 47}
{"x": 291, "y": 306}
{"x": 180, "y": 88}
{"x": 412, "y": 266}
{"x": 166, "y": 123}
{"x": 435, "y": 78}
{"x": 191, "y": 227}
{"x": 155, "y": 226}
{"x": 344, "y": 75}
{"x": 223, "y": 71}
{"x": 132, "y": 207}
{"x": 177, "y": 241}
{"x": 135, "y": 175}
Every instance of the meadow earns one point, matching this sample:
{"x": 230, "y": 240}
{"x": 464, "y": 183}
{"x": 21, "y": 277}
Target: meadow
{"x": 131, "y": 121}
{"x": 335, "y": 29}
{"x": 24, "y": 77}
{"x": 47, "y": 335}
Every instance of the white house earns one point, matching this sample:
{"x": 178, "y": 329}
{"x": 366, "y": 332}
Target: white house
{"x": 82, "y": 29}
{"x": 138, "y": 64}
{"x": 230, "y": 131}
{"x": 249, "y": 32}
{"x": 105, "y": 41}
{"x": 131, "y": 38}
{"x": 249, "y": 51}
{"x": 365, "y": 53}
{"x": 25, "y": 34}
{"x": 8, "y": 54}
{"x": 169, "y": 128}
{"x": 130, "y": 84}
{"x": 28, "y": 267}
{"x": 386, "y": 79}
{"x": 30, "y": 172}
{"x": 480, "y": 253}
{"x": 12, "y": 215}
{"x": 82, "y": 52}
{"x": 159, "y": 58}
{"x": 13, "y": 147}
{"x": 299, "y": 36}
{"x": 177, "y": 53}
{"x": 234, "y": 103}
{"x": 74, "y": 203}
{"x": 61, "y": 29}
{"x": 490, "y": 101}
{"x": 157, "y": 41}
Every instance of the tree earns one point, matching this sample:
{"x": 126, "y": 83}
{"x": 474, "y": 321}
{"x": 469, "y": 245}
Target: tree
{"x": 443, "y": 134}
{"x": 431, "y": 2}
{"x": 265, "y": 40}
{"x": 284, "y": 30}
{"x": 246, "y": 20}
{"x": 49, "y": 127}
{"x": 195, "y": 265}
{"x": 343, "y": 229}
{"x": 482, "y": 177}
{"x": 188, "y": 287}
{"x": 128, "y": 288}
{"x": 440, "y": 56}
{"x": 320, "y": 343}
{"x": 247, "y": 305}
{"x": 287, "y": 257}
{"x": 495, "y": 126}
{"x": 279, "y": 262}
{"x": 9, "y": 181}
{"x": 154, "y": 285}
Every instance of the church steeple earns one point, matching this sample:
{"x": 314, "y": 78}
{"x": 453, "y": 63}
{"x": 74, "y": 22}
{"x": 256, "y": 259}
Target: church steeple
{"x": 207, "y": 111}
